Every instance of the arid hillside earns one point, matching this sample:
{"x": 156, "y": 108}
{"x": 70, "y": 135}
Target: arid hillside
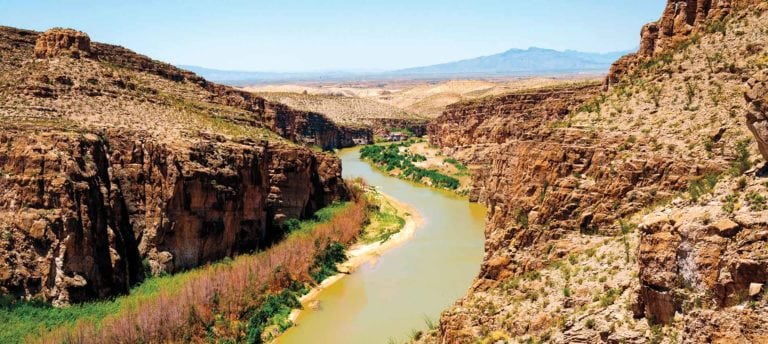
{"x": 113, "y": 165}
{"x": 631, "y": 214}
{"x": 401, "y": 98}
{"x": 353, "y": 111}
{"x": 430, "y": 100}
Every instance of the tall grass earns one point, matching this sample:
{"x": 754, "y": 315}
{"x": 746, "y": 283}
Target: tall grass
{"x": 226, "y": 301}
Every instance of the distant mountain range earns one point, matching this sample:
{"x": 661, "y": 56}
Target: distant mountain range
{"x": 514, "y": 62}
{"x": 518, "y": 61}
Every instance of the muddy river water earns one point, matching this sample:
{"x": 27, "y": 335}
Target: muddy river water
{"x": 383, "y": 301}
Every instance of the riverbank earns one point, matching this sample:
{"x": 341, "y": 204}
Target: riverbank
{"x": 362, "y": 253}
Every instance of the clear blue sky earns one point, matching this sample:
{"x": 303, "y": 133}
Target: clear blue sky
{"x": 302, "y": 35}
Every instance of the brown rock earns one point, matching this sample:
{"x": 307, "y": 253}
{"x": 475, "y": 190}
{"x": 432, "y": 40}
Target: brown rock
{"x": 755, "y": 289}
{"x": 658, "y": 260}
{"x": 725, "y": 227}
{"x": 680, "y": 19}
{"x": 63, "y": 42}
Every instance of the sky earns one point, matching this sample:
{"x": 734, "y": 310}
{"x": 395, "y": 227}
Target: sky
{"x": 350, "y": 35}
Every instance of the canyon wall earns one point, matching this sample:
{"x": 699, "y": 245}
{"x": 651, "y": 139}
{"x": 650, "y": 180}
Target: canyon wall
{"x": 85, "y": 215}
{"x": 680, "y": 20}
{"x": 567, "y": 174}
{"x": 114, "y": 166}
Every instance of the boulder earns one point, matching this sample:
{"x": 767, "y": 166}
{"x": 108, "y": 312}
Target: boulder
{"x": 725, "y": 228}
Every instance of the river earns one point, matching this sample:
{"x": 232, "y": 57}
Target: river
{"x": 385, "y": 300}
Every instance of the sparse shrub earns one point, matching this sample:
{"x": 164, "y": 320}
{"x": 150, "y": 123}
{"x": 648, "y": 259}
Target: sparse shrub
{"x": 741, "y": 183}
{"x": 654, "y": 91}
{"x": 431, "y": 325}
{"x": 690, "y": 93}
{"x": 708, "y": 145}
{"x": 543, "y": 192}
{"x": 657, "y": 334}
{"x": 742, "y": 163}
{"x": 609, "y": 298}
{"x": 626, "y": 227}
{"x": 522, "y": 218}
{"x": 730, "y": 202}
{"x": 702, "y": 186}
{"x": 756, "y": 201}
{"x": 715, "y": 26}
{"x": 590, "y": 323}
{"x": 290, "y": 225}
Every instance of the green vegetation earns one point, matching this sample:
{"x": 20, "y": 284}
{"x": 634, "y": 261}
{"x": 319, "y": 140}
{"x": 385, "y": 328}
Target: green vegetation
{"x": 715, "y": 26}
{"x": 756, "y": 201}
{"x": 742, "y": 163}
{"x": 730, "y": 202}
{"x": 384, "y": 219}
{"x": 325, "y": 262}
{"x": 334, "y": 224}
{"x": 274, "y": 311}
{"x": 390, "y": 157}
{"x": 702, "y": 186}
{"x": 463, "y": 170}
{"x": 592, "y": 106}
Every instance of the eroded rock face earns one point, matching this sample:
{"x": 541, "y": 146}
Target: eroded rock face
{"x": 63, "y": 42}
{"x": 757, "y": 113}
{"x": 543, "y": 181}
{"x": 515, "y": 116}
{"x": 81, "y": 212}
{"x": 684, "y": 252}
{"x": 680, "y": 19}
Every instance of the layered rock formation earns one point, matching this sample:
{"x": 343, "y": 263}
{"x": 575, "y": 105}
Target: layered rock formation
{"x": 63, "y": 42}
{"x": 116, "y": 166}
{"x": 566, "y": 175}
{"x": 497, "y": 120}
{"x": 680, "y": 20}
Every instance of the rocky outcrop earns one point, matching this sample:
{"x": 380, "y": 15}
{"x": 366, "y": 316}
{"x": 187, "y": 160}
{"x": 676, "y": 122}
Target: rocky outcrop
{"x": 116, "y": 165}
{"x": 694, "y": 256}
{"x": 85, "y": 215}
{"x": 300, "y": 126}
{"x": 544, "y": 179}
{"x": 510, "y": 117}
{"x": 757, "y": 110}
{"x": 556, "y": 184}
{"x": 314, "y": 129}
{"x": 383, "y": 126}
{"x": 63, "y": 42}
{"x": 680, "y": 20}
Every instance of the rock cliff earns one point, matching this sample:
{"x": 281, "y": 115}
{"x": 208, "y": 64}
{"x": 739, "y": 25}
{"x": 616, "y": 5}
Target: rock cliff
{"x": 680, "y": 20}
{"x": 569, "y": 174}
{"x": 115, "y": 166}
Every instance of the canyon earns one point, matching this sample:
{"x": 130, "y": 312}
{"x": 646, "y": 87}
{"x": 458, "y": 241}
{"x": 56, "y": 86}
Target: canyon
{"x": 619, "y": 181}
{"x": 103, "y": 180}
{"x": 631, "y": 209}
